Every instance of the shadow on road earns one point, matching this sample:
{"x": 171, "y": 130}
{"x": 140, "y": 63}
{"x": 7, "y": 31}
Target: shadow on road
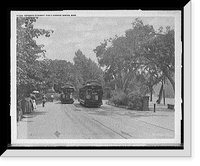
{"x": 59, "y": 102}
{"x": 78, "y": 105}
{"x": 33, "y": 114}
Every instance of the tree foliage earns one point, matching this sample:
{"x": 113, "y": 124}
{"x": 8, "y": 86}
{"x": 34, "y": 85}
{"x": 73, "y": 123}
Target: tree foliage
{"x": 86, "y": 69}
{"x": 142, "y": 52}
{"x": 119, "y": 61}
{"x": 82, "y": 70}
{"x": 160, "y": 50}
{"x": 27, "y": 52}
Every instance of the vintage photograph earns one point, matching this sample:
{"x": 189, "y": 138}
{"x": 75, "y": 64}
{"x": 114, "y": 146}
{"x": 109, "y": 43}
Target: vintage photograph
{"x": 96, "y": 78}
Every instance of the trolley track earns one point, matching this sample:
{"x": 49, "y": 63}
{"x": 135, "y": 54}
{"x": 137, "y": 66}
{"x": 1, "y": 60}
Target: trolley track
{"x": 126, "y": 123}
{"x": 109, "y": 128}
{"x": 76, "y": 118}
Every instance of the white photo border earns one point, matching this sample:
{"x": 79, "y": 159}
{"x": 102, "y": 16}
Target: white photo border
{"x": 186, "y": 151}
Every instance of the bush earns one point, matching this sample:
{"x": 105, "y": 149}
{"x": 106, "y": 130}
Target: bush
{"x": 119, "y": 98}
{"x": 133, "y": 101}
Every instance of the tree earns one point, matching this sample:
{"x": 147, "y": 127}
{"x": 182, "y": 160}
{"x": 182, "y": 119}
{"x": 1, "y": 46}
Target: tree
{"x": 57, "y": 73}
{"x": 120, "y": 55}
{"x": 142, "y": 50}
{"x": 155, "y": 49}
{"x": 86, "y": 69}
{"x": 120, "y": 62}
{"x": 27, "y": 53}
{"x": 150, "y": 77}
{"x": 160, "y": 50}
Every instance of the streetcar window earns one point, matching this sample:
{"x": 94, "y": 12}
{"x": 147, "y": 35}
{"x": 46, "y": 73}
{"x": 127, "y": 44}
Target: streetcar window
{"x": 89, "y": 91}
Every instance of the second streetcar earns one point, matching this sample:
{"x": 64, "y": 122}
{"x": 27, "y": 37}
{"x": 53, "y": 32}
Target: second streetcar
{"x": 66, "y": 95}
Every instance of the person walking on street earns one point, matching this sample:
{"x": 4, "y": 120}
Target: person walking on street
{"x": 44, "y": 98}
{"x": 33, "y": 101}
{"x": 52, "y": 97}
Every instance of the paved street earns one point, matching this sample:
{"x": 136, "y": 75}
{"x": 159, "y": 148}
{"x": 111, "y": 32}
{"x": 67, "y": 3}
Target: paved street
{"x": 73, "y": 121}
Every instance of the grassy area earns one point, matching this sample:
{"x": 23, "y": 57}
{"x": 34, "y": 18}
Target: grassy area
{"x": 167, "y": 100}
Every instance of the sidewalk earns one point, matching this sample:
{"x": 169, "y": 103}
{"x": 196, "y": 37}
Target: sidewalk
{"x": 162, "y": 117}
{"x": 28, "y": 120}
{"x": 161, "y": 106}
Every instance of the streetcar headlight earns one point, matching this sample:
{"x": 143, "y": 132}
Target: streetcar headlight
{"x": 88, "y": 96}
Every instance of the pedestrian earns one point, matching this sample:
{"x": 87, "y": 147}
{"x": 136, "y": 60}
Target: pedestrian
{"x": 33, "y": 101}
{"x": 44, "y": 98}
{"x": 34, "y": 104}
{"x": 52, "y": 97}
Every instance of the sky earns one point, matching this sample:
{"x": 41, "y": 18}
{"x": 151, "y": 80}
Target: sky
{"x": 86, "y": 33}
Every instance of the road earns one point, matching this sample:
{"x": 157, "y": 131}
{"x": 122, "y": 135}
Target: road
{"x": 73, "y": 121}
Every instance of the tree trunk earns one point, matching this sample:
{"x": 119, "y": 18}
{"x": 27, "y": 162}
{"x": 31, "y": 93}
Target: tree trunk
{"x": 164, "y": 91}
{"x": 172, "y": 82}
{"x": 164, "y": 96}
{"x": 151, "y": 93}
{"x": 160, "y": 94}
{"x": 170, "y": 79}
{"x": 125, "y": 86}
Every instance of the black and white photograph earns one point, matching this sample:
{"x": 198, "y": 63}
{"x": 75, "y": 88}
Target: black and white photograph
{"x": 96, "y": 78}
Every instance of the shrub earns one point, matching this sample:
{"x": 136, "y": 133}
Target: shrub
{"x": 119, "y": 98}
{"x": 133, "y": 101}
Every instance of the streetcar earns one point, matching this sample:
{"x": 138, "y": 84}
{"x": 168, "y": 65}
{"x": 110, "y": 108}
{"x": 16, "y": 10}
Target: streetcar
{"x": 91, "y": 94}
{"x": 66, "y": 95}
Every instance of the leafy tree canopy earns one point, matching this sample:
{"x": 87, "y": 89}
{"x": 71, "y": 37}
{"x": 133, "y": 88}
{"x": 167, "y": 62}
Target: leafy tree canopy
{"x": 86, "y": 69}
{"x": 142, "y": 51}
{"x": 28, "y": 51}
